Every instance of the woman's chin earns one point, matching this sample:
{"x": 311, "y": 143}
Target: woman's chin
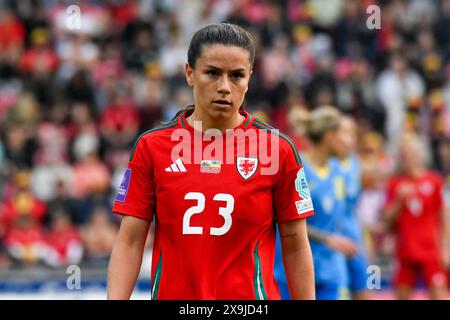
{"x": 222, "y": 107}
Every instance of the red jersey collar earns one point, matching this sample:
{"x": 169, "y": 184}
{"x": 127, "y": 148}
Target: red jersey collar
{"x": 182, "y": 121}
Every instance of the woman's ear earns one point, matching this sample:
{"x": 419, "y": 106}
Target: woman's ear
{"x": 189, "y": 75}
{"x": 251, "y": 72}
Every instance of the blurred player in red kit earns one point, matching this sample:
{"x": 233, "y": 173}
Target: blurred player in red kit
{"x": 416, "y": 211}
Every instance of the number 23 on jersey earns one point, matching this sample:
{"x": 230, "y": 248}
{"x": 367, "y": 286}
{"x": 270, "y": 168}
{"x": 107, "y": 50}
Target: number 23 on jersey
{"x": 225, "y": 212}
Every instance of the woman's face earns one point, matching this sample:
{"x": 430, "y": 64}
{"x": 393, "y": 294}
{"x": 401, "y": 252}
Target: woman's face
{"x": 220, "y": 80}
{"x": 409, "y": 156}
{"x": 345, "y": 138}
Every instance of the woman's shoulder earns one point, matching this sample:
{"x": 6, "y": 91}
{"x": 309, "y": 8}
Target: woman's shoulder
{"x": 162, "y": 129}
{"x": 286, "y": 144}
{"x": 259, "y": 124}
{"x": 150, "y": 137}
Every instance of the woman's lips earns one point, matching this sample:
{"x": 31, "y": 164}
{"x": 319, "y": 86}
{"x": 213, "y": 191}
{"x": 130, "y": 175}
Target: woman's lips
{"x": 223, "y": 103}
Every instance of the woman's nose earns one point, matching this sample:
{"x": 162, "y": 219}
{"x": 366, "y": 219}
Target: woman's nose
{"x": 224, "y": 85}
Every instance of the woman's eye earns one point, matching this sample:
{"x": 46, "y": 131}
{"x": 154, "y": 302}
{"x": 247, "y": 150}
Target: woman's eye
{"x": 212, "y": 73}
{"x": 237, "y": 75}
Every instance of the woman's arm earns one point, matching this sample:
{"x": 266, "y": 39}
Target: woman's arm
{"x": 334, "y": 241}
{"x": 297, "y": 259}
{"x": 126, "y": 257}
{"x": 392, "y": 212}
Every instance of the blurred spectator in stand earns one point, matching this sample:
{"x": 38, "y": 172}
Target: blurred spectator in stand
{"x": 22, "y": 202}
{"x": 89, "y": 174}
{"x": 441, "y": 27}
{"x": 12, "y": 38}
{"x": 172, "y": 57}
{"x": 276, "y": 69}
{"x": 352, "y": 37}
{"x": 51, "y": 160}
{"x": 38, "y": 65}
{"x": 96, "y": 18}
{"x": 180, "y": 98}
{"x": 18, "y": 148}
{"x": 398, "y": 88}
{"x": 429, "y": 59}
{"x": 25, "y": 241}
{"x": 273, "y": 24}
{"x": 35, "y": 17}
{"x": 62, "y": 201}
{"x": 149, "y": 96}
{"x": 355, "y": 92}
{"x": 40, "y": 57}
{"x": 303, "y": 53}
{"x": 141, "y": 51}
{"x": 99, "y": 235}
{"x": 104, "y": 75}
{"x": 321, "y": 90}
{"x": 119, "y": 122}
{"x": 123, "y": 12}
{"x": 64, "y": 245}
{"x": 77, "y": 52}
{"x": 325, "y": 14}
{"x": 79, "y": 88}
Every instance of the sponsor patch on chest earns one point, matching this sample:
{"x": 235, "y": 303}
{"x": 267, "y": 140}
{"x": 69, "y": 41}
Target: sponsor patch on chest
{"x": 210, "y": 166}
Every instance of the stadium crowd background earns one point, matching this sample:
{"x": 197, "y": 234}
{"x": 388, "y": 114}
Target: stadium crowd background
{"x": 72, "y": 102}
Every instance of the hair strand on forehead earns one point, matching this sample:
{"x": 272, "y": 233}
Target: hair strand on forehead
{"x": 220, "y": 33}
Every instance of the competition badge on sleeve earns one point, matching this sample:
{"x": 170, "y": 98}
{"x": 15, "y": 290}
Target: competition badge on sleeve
{"x": 123, "y": 189}
{"x": 301, "y": 186}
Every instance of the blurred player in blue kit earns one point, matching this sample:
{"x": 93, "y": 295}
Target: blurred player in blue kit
{"x": 331, "y": 244}
{"x": 351, "y": 168}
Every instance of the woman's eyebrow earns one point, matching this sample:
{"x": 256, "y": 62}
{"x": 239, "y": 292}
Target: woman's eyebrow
{"x": 209, "y": 66}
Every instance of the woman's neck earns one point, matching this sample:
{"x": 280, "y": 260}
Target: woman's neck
{"x": 208, "y": 123}
{"x": 416, "y": 172}
{"x": 318, "y": 156}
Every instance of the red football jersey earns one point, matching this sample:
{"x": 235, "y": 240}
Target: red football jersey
{"x": 419, "y": 220}
{"x": 215, "y": 220}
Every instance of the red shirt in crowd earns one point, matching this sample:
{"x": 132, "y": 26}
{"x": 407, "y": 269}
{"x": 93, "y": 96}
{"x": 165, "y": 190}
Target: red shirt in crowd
{"x": 23, "y": 204}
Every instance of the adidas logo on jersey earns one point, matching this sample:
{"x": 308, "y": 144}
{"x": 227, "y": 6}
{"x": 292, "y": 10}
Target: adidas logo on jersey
{"x": 177, "y": 166}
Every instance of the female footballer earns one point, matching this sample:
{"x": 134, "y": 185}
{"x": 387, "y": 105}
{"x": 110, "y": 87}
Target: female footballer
{"x": 214, "y": 215}
{"x": 327, "y": 185}
{"x": 415, "y": 209}
{"x": 349, "y": 162}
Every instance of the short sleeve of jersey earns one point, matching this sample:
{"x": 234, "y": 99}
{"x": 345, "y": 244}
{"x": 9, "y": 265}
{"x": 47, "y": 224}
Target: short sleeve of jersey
{"x": 291, "y": 197}
{"x": 136, "y": 195}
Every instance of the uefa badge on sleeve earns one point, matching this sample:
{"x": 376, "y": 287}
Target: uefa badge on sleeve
{"x": 246, "y": 166}
{"x": 301, "y": 185}
{"x": 123, "y": 189}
